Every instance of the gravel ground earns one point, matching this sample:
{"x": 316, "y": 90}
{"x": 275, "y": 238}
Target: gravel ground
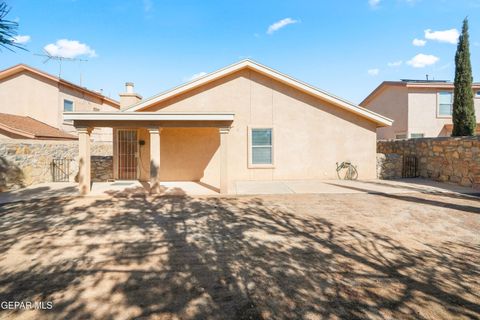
{"x": 376, "y": 256}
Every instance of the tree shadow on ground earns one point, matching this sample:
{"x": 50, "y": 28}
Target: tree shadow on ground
{"x": 177, "y": 257}
{"x": 420, "y": 198}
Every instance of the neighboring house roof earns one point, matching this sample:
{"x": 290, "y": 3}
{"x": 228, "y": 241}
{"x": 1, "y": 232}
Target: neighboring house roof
{"x": 430, "y": 84}
{"x": 29, "y": 128}
{"x": 249, "y": 64}
{"x": 24, "y": 68}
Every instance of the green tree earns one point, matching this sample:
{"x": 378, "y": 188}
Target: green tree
{"x": 8, "y": 29}
{"x": 463, "y": 116}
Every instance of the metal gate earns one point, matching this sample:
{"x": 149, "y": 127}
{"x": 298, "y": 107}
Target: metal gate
{"x": 127, "y": 154}
{"x": 60, "y": 170}
{"x": 410, "y": 167}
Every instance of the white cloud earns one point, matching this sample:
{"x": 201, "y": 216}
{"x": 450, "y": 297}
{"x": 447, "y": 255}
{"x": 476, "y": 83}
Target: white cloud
{"x": 373, "y": 3}
{"x": 280, "y": 24}
{"x": 147, "y": 5}
{"x": 195, "y": 76}
{"x": 395, "y": 63}
{"x": 69, "y": 49}
{"x": 21, "y": 39}
{"x": 449, "y": 36}
{"x": 373, "y": 72}
{"x": 422, "y": 60}
{"x": 419, "y": 42}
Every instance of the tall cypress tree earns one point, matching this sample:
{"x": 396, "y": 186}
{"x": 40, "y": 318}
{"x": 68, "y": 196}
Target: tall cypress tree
{"x": 463, "y": 116}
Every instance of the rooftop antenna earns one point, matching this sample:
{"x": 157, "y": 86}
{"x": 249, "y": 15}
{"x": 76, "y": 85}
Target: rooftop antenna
{"x": 59, "y": 59}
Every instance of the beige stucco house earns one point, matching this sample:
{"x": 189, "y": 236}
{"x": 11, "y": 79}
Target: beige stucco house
{"x": 243, "y": 122}
{"x": 418, "y": 108}
{"x": 32, "y": 103}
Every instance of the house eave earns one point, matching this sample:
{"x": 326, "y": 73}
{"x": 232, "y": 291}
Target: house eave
{"x": 149, "y": 116}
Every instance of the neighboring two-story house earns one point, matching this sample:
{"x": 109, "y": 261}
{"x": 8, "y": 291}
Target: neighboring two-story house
{"x": 32, "y": 103}
{"x": 419, "y": 108}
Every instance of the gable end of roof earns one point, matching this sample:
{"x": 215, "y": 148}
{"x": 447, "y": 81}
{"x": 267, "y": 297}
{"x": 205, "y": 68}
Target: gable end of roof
{"x": 269, "y": 72}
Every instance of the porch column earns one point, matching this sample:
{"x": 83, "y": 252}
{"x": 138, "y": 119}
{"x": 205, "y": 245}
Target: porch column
{"x": 154, "y": 159}
{"x": 224, "y": 160}
{"x": 84, "y": 160}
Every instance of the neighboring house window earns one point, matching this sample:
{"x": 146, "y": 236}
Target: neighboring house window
{"x": 417, "y": 135}
{"x": 261, "y": 146}
{"x": 67, "y": 105}
{"x": 477, "y": 94}
{"x": 445, "y": 103}
{"x": 401, "y": 136}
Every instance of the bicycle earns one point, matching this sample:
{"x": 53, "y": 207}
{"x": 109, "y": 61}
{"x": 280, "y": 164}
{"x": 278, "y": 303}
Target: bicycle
{"x": 347, "y": 171}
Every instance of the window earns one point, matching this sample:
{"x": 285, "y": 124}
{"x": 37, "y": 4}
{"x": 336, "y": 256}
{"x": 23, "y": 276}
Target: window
{"x": 417, "y": 135}
{"x": 445, "y": 102}
{"x": 401, "y": 136}
{"x": 67, "y": 105}
{"x": 477, "y": 94}
{"x": 261, "y": 146}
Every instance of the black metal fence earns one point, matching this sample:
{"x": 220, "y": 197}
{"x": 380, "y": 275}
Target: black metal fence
{"x": 60, "y": 170}
{"x": 410, "y": 167}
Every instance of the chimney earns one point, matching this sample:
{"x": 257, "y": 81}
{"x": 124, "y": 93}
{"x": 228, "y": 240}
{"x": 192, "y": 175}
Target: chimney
{"x": 129, "y": 97}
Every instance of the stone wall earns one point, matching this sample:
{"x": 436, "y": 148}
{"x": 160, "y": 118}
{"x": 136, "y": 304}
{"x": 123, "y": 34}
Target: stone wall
{"x": 444, "y": 159}
{"x": 102, "y": 168}
{"x": 389, "y": 166}
{"x": 27, "y": 162}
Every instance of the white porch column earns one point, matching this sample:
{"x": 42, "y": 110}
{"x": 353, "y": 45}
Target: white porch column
{"x": 154, "y": 159}
{"x": 84, "y": 160}
{"x": 223, "y": 160}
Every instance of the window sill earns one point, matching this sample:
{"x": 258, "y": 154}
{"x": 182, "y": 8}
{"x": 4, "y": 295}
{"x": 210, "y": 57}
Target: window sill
{"x": 261, "y": 166}
{"x": 444, "y": 117}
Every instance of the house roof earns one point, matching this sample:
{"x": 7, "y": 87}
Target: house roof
{"x": 249, "y": 64}
{"x": 25, "y": 68}
{"x": 430, "y": 84}
{"x": 30, "y": 128}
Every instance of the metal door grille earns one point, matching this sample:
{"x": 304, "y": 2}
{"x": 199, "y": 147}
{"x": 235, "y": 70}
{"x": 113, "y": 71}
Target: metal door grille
{"x": 410, "y": 167}
{"x": 60, "y": 170}
{"x": 127, "y": 154}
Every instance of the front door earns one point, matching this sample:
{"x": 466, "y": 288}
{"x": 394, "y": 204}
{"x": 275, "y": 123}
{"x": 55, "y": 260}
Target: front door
{"x": 127, "y": 154}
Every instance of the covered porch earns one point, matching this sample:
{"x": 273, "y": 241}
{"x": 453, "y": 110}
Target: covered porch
{"x": 156, "y": 148}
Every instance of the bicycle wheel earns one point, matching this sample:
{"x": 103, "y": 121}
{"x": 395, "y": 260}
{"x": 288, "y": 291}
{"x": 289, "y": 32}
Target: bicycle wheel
{"x": 352, "y": 173}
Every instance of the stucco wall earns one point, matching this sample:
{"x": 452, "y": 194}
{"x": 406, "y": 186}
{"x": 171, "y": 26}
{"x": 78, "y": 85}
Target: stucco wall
{"x": 27, "y": 162}
{"x": 27, "y": 94}
{"x": 310, "y": 135}
{"x": 423, "y": 113}
{"x": 392, "y": 103}
{"x": 443, "y": 159}
{"x": 414, "y": 110}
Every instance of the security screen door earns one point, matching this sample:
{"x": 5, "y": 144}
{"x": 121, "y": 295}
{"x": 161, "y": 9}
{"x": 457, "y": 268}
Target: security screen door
{"x": 127, "y": 154}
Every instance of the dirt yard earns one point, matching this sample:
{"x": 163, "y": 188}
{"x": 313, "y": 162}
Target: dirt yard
{"x": 376, "y": 256}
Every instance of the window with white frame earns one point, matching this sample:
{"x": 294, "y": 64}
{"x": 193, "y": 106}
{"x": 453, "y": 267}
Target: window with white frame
{"x": 67, "y": 105}
{"x": 477, "y": 94}
{"x": 261, "y": 145}
{"x": 445, "y": 103}
{"x": 417, "y": 135}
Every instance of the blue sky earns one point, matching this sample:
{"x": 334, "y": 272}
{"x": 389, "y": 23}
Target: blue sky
{"x": 344, "y": 47}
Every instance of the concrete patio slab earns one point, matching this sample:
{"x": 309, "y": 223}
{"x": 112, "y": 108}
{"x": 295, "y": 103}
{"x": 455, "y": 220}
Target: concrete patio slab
{"x": 262, "y": 187}
{"x": 99, "y": 189}
{"x": 350, "y": 187}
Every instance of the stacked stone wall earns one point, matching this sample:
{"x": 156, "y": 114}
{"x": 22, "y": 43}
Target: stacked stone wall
{"x": 446, "y": 159}
{"x": 27, "y": 162}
